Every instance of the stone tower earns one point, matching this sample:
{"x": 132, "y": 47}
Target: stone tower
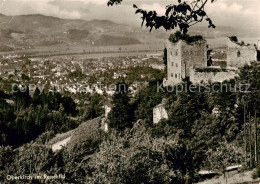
{"x": 182, "y": 57}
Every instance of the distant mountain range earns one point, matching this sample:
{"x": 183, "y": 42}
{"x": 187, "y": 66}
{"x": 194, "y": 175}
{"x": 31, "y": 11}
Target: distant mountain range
{"x": 26, "y": 31}
{"x": 40, "y": 30}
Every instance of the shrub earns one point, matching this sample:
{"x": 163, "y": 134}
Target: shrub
{"x": 256, "y": 173}
{"x": 189, "y": 39}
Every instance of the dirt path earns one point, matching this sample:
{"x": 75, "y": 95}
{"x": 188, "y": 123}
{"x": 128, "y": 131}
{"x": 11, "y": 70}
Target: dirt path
{"x": 232, "y": 178}
{"x": 60, "y": 144}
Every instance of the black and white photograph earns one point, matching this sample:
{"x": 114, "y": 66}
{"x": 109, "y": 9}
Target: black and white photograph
{"x": 129, "y": 91}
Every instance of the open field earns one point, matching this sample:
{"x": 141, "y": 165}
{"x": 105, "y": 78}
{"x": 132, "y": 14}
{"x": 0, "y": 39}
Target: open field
{"x": 100, "y": 55}
{"x": 86, "y": 49}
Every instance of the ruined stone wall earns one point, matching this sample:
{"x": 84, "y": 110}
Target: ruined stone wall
{"x": 238, "y": 56}
{"x": 206, "y": 77}
{"x": 258, "y": 45}
{"x": 193, "y": 55}
{"x": 159, "y": 113}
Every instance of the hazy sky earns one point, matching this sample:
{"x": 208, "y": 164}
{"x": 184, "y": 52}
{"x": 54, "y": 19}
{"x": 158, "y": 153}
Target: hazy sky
{"x": 223, "y": 12}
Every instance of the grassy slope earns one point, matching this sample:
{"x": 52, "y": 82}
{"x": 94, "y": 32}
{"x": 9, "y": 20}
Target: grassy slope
{"x": 78, "y": 134}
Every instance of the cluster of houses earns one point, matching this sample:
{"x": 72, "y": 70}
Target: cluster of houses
{"x": 58, "y": 70}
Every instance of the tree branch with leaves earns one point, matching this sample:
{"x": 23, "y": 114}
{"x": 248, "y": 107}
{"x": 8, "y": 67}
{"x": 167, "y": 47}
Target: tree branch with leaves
{"x": 183, "y": 15}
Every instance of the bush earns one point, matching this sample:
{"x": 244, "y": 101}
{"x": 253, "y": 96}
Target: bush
{"x": 256, "y": 173}
{"x": 179, "y": 36}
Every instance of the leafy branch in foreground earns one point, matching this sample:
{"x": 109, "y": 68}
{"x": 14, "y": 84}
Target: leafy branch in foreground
{"x": 184, "y": 15}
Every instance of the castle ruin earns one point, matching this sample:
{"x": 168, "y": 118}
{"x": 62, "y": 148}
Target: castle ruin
{"x": 182, "y": 56}
{"x": 191, "y": 60}
{"x": 240, "y": 54}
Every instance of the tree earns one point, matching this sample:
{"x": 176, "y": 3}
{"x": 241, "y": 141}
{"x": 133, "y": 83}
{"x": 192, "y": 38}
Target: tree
{"x": 223, "y": 156}
{"x": 54, "y": 99}
{"x": 36, "y": 99}
{"x": 95, "y": 108}
{"x": 31, "y": 159}
{"x": 69, "y": 106}
{"x": 6, "y": 157}
{"x": 165, "y": 57}
{"x": 186, "y": 110}
{"x": 134, "y": 157}
{"x": 25, "y": 77}
{"x": 145, "y": 100}
{"x": 233, "y": 39}
{"x": 22, "y": 98}
{"x": 120, "y": 116}
{"x": 183, "y": 15}
{"x": 181, "y": 159}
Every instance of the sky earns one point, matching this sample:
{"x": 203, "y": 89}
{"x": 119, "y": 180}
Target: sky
{"x": 235, "y": 13}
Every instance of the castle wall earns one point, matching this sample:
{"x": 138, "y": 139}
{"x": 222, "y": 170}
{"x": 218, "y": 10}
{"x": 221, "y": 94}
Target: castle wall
{"x": 206, "y": 77}
{"x": 238, "y": 56}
